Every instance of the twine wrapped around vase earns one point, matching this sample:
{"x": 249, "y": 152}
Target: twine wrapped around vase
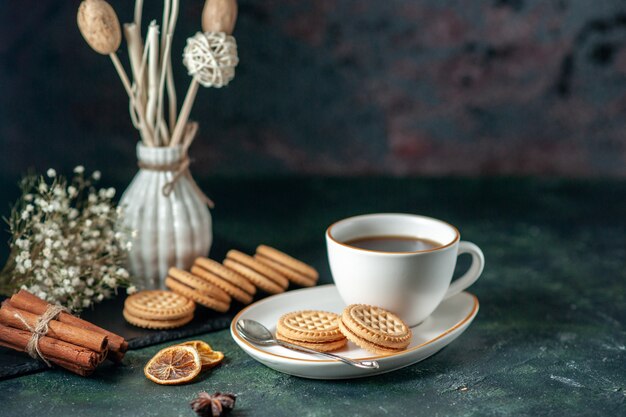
{"x": 179, "y": 169}
{"x": 169, "y": 213}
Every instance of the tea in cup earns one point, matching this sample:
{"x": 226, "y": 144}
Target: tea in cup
{"x": 401, "y": 262}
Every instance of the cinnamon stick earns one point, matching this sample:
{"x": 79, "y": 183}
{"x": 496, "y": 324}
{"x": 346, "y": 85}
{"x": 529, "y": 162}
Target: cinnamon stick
{"x": 52, "y": 349}
{"x": 63, "y": 364}
{"x": 35, "y": 305}
{"x": 73, "y": 367}
{"x": 115, "y": 356}
{"x": 10, "y": 316}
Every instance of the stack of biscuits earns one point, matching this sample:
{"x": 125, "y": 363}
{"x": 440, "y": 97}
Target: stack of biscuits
{"x": 157, "y": 309}
{"x": 294, "y": 270}
{"x": 214, "y": 285}
{"x": 374, "y": 329}
{"x": 371, "y": 328}
{"x": 317, "y": 330}
{"x": 198, "y": 289}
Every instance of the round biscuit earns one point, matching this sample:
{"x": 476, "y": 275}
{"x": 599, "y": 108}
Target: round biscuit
{"x": 365, "y": 344}
{"x": 376, "y": 325}
{"x": 291, "y": 274}
{"x": 229, "y": 275}
{"x": 310, "y": 326}
{"x": 158, "y": 305}
{"x": 199, "y": 298}
{"x": 288, "y": 261}
{"x": 199, "y": 284}
{"x": 259, "y": 280}
{"x": 320, "y": 347}
{"x": 234, "y": 291}
{"x": 156, "y": 324}
{"x": 259, "y": 267}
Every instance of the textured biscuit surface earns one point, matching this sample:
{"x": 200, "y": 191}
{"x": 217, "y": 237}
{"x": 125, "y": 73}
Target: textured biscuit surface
{"x": 320, "y": 347}
{"x": 229, "y": 275}
{"x": 259, "y": 267}
{"x": 288, "y": 261}
{"x": 292, "y": 275}
{"x": 365, "y": 344}
{"x": 374, "y": 328}
{"x": 257, "y": 279}
{"x": 310, "y": 326}
{"x": 199, "y": 284}
{"x": 156, "y": 324}
{"x": 159, "y": 305}
{"x": 233, "y": 290}
{"x": 196, "y": 296}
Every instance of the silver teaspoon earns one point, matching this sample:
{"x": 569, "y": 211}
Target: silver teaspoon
{"x": 255, "y": 332}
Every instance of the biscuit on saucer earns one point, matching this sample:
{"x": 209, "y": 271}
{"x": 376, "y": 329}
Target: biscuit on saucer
{"x": 312, "y": 329}
{"x": 374, "y": 329}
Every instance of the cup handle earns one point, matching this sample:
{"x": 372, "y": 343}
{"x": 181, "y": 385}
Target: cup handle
{"x": 474, "y": 271}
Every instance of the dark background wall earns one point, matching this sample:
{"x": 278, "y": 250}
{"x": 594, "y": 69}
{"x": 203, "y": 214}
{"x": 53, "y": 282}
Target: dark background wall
{"x": 341, "y": 87}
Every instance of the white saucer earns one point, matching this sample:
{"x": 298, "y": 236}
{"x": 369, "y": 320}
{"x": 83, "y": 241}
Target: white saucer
{"x": 447, "y": 323}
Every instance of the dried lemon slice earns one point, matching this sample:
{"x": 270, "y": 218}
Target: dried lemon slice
{"x": 174, "y": 365}
{"x": 212, "y": 359}
{"x": 208, "y": 356}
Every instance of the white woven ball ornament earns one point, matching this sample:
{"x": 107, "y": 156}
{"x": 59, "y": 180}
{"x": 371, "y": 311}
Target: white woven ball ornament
{"x": 211, "y": 58}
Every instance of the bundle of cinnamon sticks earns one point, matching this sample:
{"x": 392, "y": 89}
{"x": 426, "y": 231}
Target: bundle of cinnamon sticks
{"x": 70, "y": 342}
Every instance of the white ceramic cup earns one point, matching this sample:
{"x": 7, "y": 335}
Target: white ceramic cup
{"x": 410, "y": 284}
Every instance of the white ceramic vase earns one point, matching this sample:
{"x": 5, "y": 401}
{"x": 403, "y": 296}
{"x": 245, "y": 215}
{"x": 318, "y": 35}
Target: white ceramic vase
{"x": 170, "y": 230}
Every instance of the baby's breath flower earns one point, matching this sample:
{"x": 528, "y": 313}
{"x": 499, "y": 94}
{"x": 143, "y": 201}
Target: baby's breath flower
{"x": 122, "y": 273}
{"x": 22, "y": 243}
{"x": 79, "y": 169}
{"x": 131, "y": 290}
{"x": 66, "y": 245}
{"x": 96, "y": 175}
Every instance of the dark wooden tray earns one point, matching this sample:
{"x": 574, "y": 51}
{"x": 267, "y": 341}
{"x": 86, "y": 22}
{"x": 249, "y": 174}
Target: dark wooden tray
{"x": 108, "y": 315}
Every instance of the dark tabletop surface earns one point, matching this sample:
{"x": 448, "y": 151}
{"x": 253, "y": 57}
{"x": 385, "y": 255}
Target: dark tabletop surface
{"x": 549, "y": 338}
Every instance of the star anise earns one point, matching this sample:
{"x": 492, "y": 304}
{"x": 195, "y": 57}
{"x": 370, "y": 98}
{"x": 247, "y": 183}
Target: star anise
{"x": 216, "y": 405}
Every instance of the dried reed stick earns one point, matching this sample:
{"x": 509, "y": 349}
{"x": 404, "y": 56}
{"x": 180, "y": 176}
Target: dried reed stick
{"x": 153, "y": 77}
{"x": 159, "y": 110}
{"x": 135, "y": 53}
{"x": 183, "y": 116}
{"x": 138, "y": 10}
{"x": 144, "y": 129}
{"x": 171, "y": 88}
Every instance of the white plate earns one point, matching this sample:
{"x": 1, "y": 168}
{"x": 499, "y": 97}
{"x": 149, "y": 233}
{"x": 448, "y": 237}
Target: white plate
{"x": 447, "y": 323}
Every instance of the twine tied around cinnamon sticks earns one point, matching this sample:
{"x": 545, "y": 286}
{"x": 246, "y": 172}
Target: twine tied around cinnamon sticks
{"x": 69, "y": 342}
{"x": 40, "y": 329}
{"x": 180, "y": 169}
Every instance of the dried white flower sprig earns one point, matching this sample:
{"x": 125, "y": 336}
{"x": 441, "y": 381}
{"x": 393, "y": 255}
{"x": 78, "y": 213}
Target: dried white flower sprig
{"x": 66, "y": 246}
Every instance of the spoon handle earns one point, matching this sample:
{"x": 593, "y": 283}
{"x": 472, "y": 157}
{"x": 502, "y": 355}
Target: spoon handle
{"x": 359, "y": 364}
